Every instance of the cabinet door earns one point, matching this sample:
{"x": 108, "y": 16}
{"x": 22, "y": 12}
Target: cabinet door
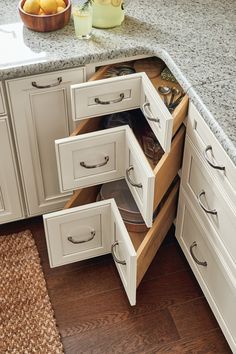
{"x": 89, "y": 231}
{"x": 118, "y": 94}
{"x": 10, "y": 196}
{"x": 40, "y": 107}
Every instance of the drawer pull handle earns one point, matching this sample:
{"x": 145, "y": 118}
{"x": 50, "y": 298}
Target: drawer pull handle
{"x": 138, "y": 185}
{"x": 113, "y": 246}
{"x": 83, "y": 164}
{"x": 70, "y": 239}
{"x": 59, "y": 80}
{"x": 98, "y": 101}
{"x": 208, "y": 211}
{"x": 147, "y": 113}
{"x": 201, "y": 263}
{"x": 216, "y": 167}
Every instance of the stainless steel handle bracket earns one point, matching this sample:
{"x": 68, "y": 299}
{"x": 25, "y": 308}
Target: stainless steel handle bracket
{"x": 113, "y": 246}
{"x": 208, "y": 211}
{"x": 213, "y": 165}
{"x": 201, "y": 263}
{"x": 98, "y": 101}
{"x": 147, "y": 112}
{"x": 70, "y": 238}
{"x": 83, "y": 164}
{"x": 128, "y": 170}
{"x": 34, "y": 84}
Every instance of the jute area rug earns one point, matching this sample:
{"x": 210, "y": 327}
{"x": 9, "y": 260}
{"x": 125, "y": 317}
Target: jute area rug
{"x": 27, "y": 323}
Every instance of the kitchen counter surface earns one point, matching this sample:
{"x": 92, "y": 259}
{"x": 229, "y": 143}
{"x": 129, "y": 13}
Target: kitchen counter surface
{"x": 195, "y": 39}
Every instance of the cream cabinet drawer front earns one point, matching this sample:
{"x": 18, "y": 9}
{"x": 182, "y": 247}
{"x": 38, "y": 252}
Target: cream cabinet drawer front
{"x": 78, "y": 233}
{"x": 90, "y": 159}
{"x": 209, "y": 199}
{"x": 104, "y": 156}
{"x": 2, "y": 105}
{"x": 157, "y": 115}
{"x": 89, "y": 231}
{"x": 139, "y": 177}
{"x": 215, "y": 278}
{"x": 106, "y": 96}
{"x": 218, "y": 162}
{"x": 96, "y": 98}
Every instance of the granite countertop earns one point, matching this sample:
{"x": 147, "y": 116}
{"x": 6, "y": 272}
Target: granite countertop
{"x": 196, "y": 39}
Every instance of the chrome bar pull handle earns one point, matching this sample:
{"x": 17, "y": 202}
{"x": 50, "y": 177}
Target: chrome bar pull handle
{"x": 128, "y": 170}
{"x": 98, "y": 101}
{"x": 113, "y": 246}
{"x": 59, "y": 81}
{"x": 208, "y": 211}
{"x": 213, "y": 165}
{"x": 148, "y": 113}
{"x": 70, "y": 238}
{"x": 201, "y": 263}
{"x": 83, "y": 164}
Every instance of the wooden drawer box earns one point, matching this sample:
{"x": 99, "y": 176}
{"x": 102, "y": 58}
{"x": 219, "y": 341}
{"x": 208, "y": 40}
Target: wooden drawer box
{"x": 154, "y": 179}
{"x": 102, "y": 96}
{"x": 214, "y": 276}
{"x": 97, "y": 228}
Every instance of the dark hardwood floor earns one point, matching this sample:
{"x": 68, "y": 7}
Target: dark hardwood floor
{"x": 94, "y": 316}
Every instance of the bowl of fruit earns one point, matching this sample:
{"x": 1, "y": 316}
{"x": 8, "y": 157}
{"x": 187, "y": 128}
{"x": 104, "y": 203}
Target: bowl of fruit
{"x": 45, "y": 15}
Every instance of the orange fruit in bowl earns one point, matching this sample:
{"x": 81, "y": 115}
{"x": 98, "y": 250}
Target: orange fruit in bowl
{"x": 61, "y": 3}
{"x": 48, "y": 6}
{"x": 31, "y": 7}
{"x": 41, "y": 12}
{"x": 60, "y": 9}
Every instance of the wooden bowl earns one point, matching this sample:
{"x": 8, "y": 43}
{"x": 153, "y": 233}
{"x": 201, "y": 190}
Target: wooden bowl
{"x": 45, "y": 23}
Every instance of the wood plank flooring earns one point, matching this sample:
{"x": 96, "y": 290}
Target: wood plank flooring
{"x": 94, "y": 316}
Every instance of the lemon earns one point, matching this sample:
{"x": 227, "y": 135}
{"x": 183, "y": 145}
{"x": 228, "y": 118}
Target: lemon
{"x": 116, "y": 3}
{"x": 32, "y": 7}
{"x": 48, "y": 6}
{"x": 60, "y": 9}
{"x": 61, "y": 3}
{"x": 41, "y": 13}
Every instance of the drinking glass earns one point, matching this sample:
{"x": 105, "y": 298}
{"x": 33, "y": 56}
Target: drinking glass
{"x": 82, "y": 15}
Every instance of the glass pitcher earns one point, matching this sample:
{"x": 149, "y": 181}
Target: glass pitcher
{"x": 108, "y": 13}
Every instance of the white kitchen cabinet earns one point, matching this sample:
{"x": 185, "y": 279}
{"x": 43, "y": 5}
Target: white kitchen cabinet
{"x": 40, "y": 109}
{"x": 206, "y": 220}
{"x": 10, "y": 196}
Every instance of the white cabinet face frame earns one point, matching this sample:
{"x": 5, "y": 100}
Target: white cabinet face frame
{"x": 2, "y": 103}
{"x": 81, "y": 163}
{"x": 118, "y": 94}
{"x": 89, "y": 231}
{"x": 40, "y": 116}
{"x": 11, "y": 207}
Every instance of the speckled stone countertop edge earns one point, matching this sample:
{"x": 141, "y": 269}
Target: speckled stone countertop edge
{"x": 62, "y": 64}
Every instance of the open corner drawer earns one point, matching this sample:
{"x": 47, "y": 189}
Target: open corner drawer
{"x": 94, "y": 229}
{"x": 93, "y": 155}
{"x": 101, "y": 96}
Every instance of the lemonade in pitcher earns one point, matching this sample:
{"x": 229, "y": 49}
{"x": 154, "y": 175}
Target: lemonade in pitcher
{"x": 107, "y": 13}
